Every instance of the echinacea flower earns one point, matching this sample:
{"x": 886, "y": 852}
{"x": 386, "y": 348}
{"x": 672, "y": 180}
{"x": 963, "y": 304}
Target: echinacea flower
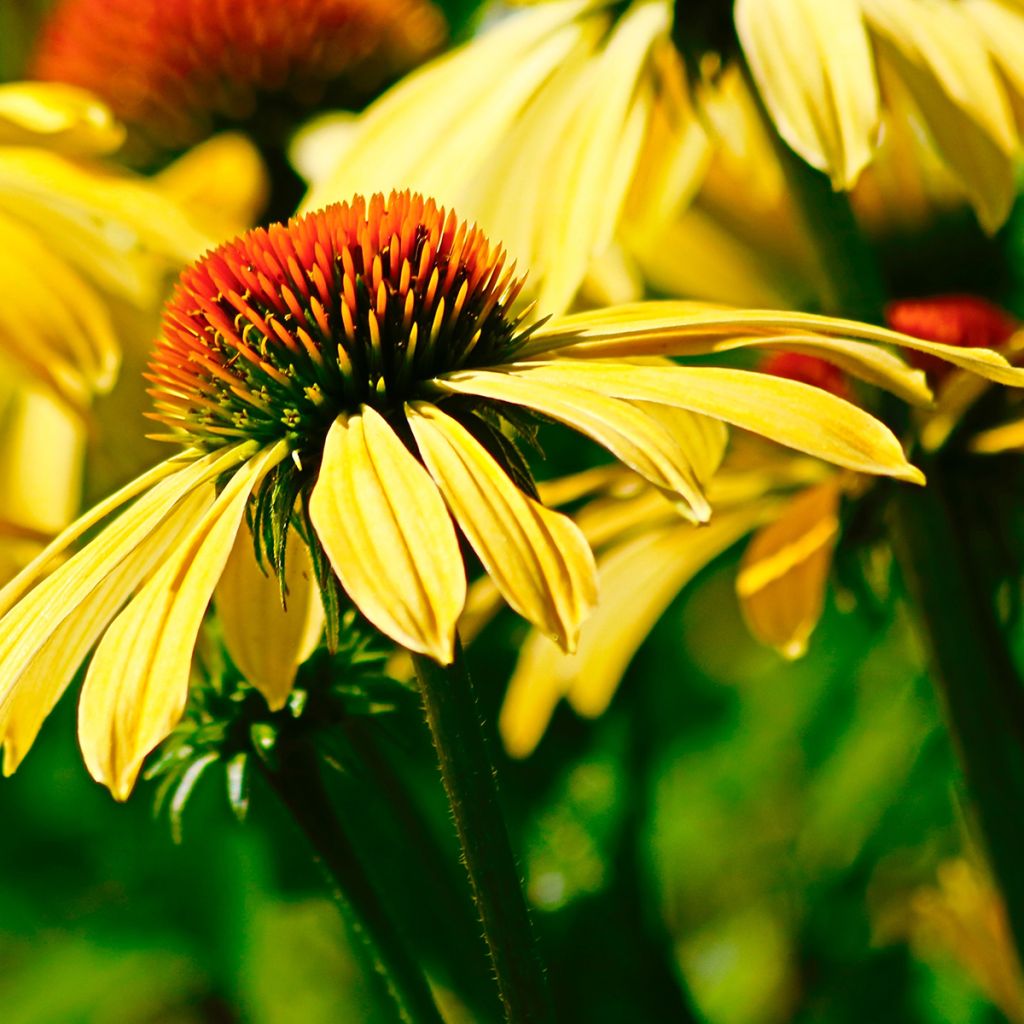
{"x": 359, "y": 376}
{"x": 560, "y": 126}
{"x": 789, "y": 505}
{"x": 174, "y": 70}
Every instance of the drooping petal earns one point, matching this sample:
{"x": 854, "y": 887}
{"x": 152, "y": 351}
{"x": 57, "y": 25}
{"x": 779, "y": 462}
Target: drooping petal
{"x": 388, "y": 535}
{"x": 269, "y": 642}
{"x": 782, "y": 578}
{"x": 813, "y": 66}
{"x": 41, "y": 612}
{"x": 638, "y": 580}
{"x": 938, "y": 53}
{"x": 537, "y": 558}
{"x": 137, "y": 683}
{"x": 42, "y": 684}
{"x": 793, "y": 414}
{"x": 628, "y": 431}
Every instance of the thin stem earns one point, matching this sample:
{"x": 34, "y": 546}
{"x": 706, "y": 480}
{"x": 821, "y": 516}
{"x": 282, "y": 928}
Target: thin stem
{"x": 297, "y": 781}
{"x": 469, "y": 780}
{"x": 972, "y": 670}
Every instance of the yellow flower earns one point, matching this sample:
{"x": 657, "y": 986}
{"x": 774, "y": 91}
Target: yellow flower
{"x": 826, "y": 70}
{"x": 791, "y": 505}
{"x": 359, "y": 375}
{"x": 173, "y": 70}
{"x": 536, "y": 129}
{"x": 563, "y": 126}
{"x": 87, "y": 257}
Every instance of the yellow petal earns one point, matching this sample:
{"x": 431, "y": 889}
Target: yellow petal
{"x": 37, "y": 616}
{"x": 588, "y": 180}
{"x": 628, "y": 431}
{"x": 52, "y": 321}
{"x": 268, "y": 643}
{"x": 119, "y": 231}
{"x": 137, "y": 683}
{"x": 537, "y": 558}
{"x": 678, "y": 328}
{"x": 223, "y": 181}
{"x": 41, "y": 462}
{"x": 42, "y": 684}
{"x": 813, "y": 66}
{"x": 638, "y": 580}
{"x": 58, "y": 117}
{"x": 938, "y": 53}
{"x": 796, "y": 415}
{"x": 389, "y": 537}
{"x": 782, "y": 578}
{"x": 468, "y": 98}
{"x": 1008, "y": 437}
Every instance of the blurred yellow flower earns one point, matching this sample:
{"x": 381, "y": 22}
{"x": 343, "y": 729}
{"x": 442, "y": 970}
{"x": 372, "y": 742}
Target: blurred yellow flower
{"x": 963, "y": 917}
{"x": 360, "y": 374}
{"x": 791, "y": 505}
{"x": 87, "y": 258}
{"x": 569, "y": 130}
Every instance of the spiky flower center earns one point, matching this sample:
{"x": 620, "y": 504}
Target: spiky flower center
{"x": 176, "y": 69}
{"x": 274, "y": 334}
{"x": 807, "y": 369}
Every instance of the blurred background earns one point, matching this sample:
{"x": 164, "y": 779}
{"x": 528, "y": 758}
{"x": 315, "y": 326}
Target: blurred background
{"x": 737, "y": 841}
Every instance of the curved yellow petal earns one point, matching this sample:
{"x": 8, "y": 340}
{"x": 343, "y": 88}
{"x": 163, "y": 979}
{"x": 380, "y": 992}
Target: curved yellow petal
{"x": 681, "y": 328}
{"x": 813, "y": 66}
{"x": 52, "y": 322}
{"x": 467, "y": 97}
{"x": 587, "y": 182}
{"x": 784, "y": 571}
{"x": 638, "y": 580}
{"x": 631, "y": 433}
{"x": 59, "y": 117}
{"x": 388, "y": 535}
{"x": 42, "y": 684}
{"x": 137, "y": 683}
{"x": 537, "y": 558}
{"x": 796, "y": 415}
{"x": 269, "y": 642}
{"x": 222, "y": 181}
{"x": 939, "y": 54}
{"x": 32, "y": 618}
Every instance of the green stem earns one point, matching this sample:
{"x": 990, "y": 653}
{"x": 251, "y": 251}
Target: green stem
{"x": 469, "y": 780}
{"x": 972, "y": 670}
{"x": 298, "y": 783}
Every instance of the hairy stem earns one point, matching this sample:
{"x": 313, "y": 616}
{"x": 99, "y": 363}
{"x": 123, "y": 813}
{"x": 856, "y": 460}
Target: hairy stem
{"x": 297, "y": 781}
{"x": 469, "y": 780}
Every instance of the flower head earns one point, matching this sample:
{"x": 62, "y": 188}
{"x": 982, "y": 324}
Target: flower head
{"x": 350, "y": 388}
{"x": 272, "y": 335}
{"x": 173, "y": 70}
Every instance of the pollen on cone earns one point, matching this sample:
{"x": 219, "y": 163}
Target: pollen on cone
{"x": 275, "y": 333}
{"x": 175, "y": 70}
